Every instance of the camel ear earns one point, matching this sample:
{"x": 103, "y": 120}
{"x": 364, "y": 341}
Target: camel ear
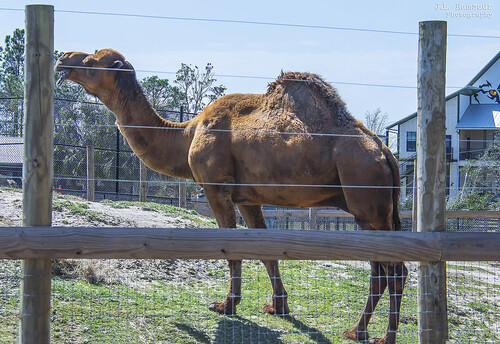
{"x": 117, "y": 64}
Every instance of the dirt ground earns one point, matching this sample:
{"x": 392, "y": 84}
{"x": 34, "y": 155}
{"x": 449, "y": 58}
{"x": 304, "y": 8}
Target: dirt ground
{"x": 132, "y": 216}
{"x": 109, "y": 271}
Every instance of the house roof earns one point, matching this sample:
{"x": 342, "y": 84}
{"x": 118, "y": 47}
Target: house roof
{"x": 485, "y": 69}
{"x": 405, "y": 119}
{"x": 480, "y": 116}
{"x": 11, "y": 150}
{"x": 463, "y": 90}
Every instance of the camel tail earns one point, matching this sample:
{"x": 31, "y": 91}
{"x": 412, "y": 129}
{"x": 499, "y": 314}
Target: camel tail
{"x": 393, "y": 163}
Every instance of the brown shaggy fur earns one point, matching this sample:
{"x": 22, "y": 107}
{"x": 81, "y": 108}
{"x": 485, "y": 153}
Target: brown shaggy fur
{"x": 294, "y": 83}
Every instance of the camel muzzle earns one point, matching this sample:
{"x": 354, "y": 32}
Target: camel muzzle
{"x": 62, "y": 78}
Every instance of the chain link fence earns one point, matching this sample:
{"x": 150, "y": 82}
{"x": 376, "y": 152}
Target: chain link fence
{"x": 78, "y": 125}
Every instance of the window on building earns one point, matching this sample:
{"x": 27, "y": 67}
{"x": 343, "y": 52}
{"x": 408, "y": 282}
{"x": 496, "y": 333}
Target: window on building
{"x": 411, "y": 141}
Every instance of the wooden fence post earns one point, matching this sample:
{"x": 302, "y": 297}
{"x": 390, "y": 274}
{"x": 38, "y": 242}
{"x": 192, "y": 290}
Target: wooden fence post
{"x": 37, "y": 168}
{"x": 313, "y": 218}
{"x": 90, "y": 173}
{"x": 182, "y": 193}
{"x": 414, "y": 201}
{"x": 182, "y": 182}
{"x": 143, "y": 184}
{"x": 431, "y": 189}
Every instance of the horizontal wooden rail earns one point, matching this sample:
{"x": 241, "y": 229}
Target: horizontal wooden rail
{"x": 177, "y": 243}
{"x": 403, "y": 214}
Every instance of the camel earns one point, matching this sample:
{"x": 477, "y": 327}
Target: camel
{"x": 296, "y": 145}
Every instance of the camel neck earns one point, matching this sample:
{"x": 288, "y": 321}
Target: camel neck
{"x": 162, "y": 145}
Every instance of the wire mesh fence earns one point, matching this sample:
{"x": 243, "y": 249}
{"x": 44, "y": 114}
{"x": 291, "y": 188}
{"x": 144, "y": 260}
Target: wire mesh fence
{"x": 152, "y": 301}
{"x": 155, "y": 301}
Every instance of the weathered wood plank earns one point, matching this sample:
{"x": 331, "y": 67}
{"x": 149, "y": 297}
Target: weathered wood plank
{"x": 177, "y": 243}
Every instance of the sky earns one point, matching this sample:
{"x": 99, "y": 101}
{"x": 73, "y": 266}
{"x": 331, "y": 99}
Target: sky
{"x": 246, "y": 57}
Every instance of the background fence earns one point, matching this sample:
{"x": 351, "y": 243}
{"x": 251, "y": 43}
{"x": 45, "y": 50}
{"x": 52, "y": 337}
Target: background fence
{"x": 78, "y": 124}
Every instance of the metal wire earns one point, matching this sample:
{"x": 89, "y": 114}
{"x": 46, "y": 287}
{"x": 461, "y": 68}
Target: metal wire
{"x": 251, "y": 77}
{"x": 251, "y": 22}
{"x": 204, "y": 129}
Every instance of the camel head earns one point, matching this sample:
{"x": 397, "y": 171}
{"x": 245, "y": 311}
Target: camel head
{"x": 100, "y": 74}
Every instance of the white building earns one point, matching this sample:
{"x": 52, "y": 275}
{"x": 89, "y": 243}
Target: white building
{"x": 472, "y": 123}
{"x": 11, "y": 159}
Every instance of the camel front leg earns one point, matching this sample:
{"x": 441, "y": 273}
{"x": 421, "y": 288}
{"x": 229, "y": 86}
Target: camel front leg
{"x": 252, "y": 214}
{"x": 378, "y": 284}
{"x": 219, "y": 199}
{"x": 233, "y": 296}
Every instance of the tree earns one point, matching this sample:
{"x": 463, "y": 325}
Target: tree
{"x": 197, "y": 87}
{"x": 12, "y": 65}
{"x": 161, "y": 94}
{"x": 11, "y": 84}
{"x": 481, "y": 182}
{"x": 376, "y": 121}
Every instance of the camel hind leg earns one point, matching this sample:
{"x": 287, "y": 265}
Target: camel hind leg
{"x": 378, "y": 284}
{"x": 252, "y": 214}
{"x": 377, "y": 215}
{"x": 396, "y": 274}
{"x": 383, "y": 275}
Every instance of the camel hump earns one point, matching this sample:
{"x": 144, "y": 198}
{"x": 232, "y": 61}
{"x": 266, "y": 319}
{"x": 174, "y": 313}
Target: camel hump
{"x": 308, "y": 92}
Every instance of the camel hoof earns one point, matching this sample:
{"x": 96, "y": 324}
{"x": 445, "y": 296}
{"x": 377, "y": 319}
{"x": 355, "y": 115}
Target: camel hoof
{"x": 221, "y": 308}
{"x": 358, "y": 336}
{"x": 269, "y": 309}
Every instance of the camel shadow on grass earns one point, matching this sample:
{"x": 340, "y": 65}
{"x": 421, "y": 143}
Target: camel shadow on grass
{"x": 236, "y": 329}
{"x": 314, "y": 334}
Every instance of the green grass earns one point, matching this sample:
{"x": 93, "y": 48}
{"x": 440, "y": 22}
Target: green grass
{"x": 79, "y": 209}
{"x": 192, "y": 215}
{"x": 325, "y": 299}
